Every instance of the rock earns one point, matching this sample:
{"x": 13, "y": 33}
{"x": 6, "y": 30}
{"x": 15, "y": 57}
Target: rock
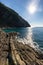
{"x": 4, "y": 48}
{"x": 13, "y": 52}
{"x": 9, "y": 18}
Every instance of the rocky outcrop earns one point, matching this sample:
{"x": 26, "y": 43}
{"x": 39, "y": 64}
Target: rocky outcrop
{"x": 4, "y": 47}
{"x": 9, "y": 18}
{"x": 13, "y": 52}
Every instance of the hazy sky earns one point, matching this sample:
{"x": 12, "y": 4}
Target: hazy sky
{"x": 31, "y": 10}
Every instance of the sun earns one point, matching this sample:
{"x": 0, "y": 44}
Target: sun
{"x": 31, "y": 9}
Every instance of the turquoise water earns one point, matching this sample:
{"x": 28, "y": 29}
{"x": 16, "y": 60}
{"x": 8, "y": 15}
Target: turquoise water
{"x": 32, "y": 35}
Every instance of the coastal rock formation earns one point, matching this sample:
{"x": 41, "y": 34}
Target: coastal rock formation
{"x": 13, "y": 52}
{"x": 9, "y": 18}
{"x": 4, "y": 44}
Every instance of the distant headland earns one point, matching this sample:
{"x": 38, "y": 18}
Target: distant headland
{"x": 9, "y": 18}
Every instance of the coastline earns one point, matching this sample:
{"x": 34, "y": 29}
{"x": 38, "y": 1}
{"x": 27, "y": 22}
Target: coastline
{"x": 17, "y": 53}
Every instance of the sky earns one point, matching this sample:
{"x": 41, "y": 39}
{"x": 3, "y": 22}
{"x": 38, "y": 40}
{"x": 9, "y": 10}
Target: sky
{"x": 30, "y": 10}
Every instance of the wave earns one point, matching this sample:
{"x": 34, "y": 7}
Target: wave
{"x": 29, "y": 40}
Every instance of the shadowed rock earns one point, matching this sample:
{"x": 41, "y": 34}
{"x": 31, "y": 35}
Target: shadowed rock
{"x": 9, "y": 18}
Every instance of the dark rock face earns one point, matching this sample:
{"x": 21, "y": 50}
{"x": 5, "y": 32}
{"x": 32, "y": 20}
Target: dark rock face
{"x": 9, "y": 18}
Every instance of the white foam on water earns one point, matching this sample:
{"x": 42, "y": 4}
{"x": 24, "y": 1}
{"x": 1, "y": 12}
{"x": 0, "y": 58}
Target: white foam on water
{"x": 29, "y": 40}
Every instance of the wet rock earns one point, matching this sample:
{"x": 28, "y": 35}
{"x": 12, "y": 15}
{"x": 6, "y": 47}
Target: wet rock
{"x": 13, "y": 52}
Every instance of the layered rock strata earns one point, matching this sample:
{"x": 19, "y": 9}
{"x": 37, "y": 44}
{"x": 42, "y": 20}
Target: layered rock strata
{"x": 13, "y": 52}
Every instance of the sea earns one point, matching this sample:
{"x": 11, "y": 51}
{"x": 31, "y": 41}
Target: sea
{"x": 32, "y": 36}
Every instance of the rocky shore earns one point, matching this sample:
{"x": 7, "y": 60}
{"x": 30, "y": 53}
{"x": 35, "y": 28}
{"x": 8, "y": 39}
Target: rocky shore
{"x": 13, "y": 52}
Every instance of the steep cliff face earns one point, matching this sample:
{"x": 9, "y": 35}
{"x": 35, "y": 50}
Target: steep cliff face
{"x": 9, "y": 18}
{"x": 13, "y": 52}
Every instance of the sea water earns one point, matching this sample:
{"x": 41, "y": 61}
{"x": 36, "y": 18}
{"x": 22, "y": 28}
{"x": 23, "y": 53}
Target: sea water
{"x": 28, "y": 35}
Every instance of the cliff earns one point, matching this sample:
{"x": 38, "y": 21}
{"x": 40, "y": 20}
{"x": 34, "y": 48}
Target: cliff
{"x": 9, "y": 18}
{"x": 13, "y": 52}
